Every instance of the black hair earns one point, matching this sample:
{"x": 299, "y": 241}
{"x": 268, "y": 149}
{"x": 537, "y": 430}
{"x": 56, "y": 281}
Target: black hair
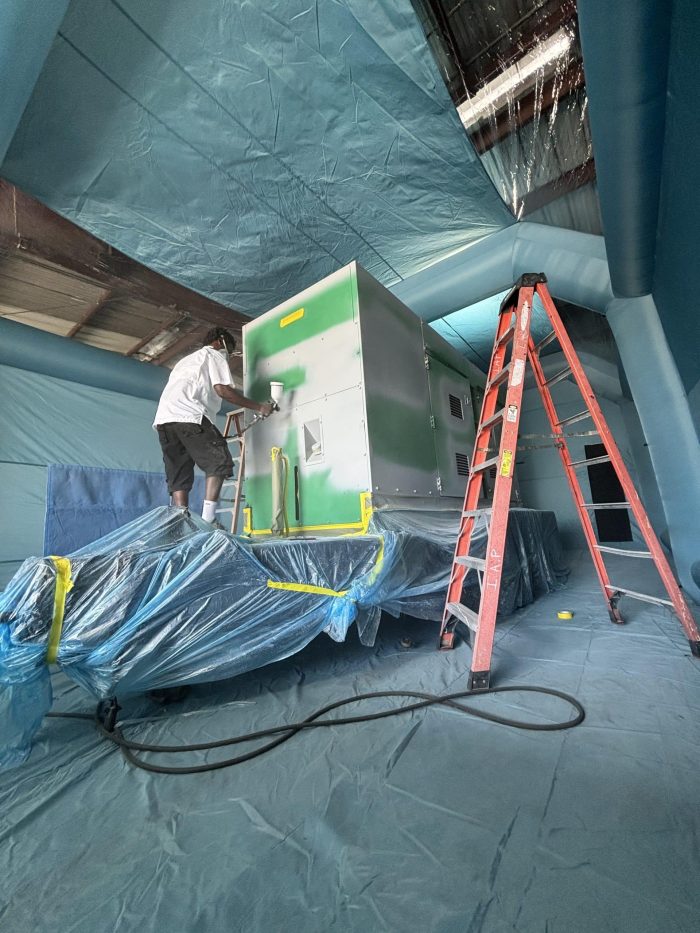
{"x": 220, "y": 333}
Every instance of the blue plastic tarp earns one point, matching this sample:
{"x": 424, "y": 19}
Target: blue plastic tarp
{"x": 248, "y": 150}
{"x": 167, "y": 601}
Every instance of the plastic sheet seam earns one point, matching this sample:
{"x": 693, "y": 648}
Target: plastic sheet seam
{"x": 64, "y": 583}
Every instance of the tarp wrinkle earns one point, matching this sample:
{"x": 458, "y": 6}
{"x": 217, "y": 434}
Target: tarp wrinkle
{"x": 165, "y": 601}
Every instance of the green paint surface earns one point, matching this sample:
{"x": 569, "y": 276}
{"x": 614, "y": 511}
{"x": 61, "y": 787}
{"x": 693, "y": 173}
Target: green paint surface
{"x": 400, "y": 434}
{"x": 291, "y": 378}
{"x": 321, "y": 503}
{"x": 323, "y": 310}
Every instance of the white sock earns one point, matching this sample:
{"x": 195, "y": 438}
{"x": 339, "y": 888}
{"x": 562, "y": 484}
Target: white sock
{"x": 209, "y": 510}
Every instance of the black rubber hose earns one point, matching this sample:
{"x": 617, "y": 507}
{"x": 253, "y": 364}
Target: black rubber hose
{"x": 285, "y": 732}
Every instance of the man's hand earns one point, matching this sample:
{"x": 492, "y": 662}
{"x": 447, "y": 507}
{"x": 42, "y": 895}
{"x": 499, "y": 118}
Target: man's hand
{"x": 229, "y": 394}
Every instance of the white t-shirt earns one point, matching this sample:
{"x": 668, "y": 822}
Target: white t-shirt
{"x": 189, "y": 395}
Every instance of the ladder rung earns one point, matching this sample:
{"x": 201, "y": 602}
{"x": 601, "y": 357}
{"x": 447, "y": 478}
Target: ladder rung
{"x": 494, "y": 419}
{"x": 621, "y": 551}
{"x": 574, "y": 418}
{"x": 224, "y": 510}
{"x": 642, "y": 596}
{"x": 474, "y": 563}
{"x": 579, "y": 463}
{"x": 474, "y": 513}
{"x": 559, "y": 376}
{"x": 486, "y": 465}
{"x": 545, "y": 342}
{"x": 506, "y": 336}
{"x": 497, "y": 380}
{"x": 464, "y": 614}
{"x": 606, "y": 505}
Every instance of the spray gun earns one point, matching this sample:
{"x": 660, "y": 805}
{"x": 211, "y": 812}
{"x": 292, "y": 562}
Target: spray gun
{"x": 276, "y": 390}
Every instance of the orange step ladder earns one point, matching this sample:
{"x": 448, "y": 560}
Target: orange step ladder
{"x": 513, "y": 334}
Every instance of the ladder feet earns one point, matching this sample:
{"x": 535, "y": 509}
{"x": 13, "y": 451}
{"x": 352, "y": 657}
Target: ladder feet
{"x": 694, "y": 648}
{"x": 447, "y": 640}
{"x": 614, "y": 613}
{"x": 479, "y": 680}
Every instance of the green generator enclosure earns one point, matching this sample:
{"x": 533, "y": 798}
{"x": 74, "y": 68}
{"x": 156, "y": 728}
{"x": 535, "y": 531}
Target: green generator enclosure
{"x": 376, "y": 408}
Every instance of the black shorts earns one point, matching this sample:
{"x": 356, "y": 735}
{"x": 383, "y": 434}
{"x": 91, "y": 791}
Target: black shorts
{"x": 185, "y": 445}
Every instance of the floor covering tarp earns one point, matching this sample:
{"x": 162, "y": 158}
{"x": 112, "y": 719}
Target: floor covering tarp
{"x": 426, "y": 822}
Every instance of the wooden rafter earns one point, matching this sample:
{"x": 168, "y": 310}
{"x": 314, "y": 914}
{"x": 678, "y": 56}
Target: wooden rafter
{"x": 91, "y": 311}
{"x": 185, "y": 342}
{"x": 158, "y": 329}
{"x": 575, "y": 178}
{"x": 535, "y": 103}
{"x": 31, "y": 230}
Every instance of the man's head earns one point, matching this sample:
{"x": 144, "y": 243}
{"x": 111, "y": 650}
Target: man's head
{"x": 220, "y": 339}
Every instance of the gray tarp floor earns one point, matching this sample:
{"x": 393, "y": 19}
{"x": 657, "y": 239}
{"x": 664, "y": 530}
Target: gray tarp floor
{"x": 428, "y": 822}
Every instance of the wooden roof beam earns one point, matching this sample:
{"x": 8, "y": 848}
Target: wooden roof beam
{"x": 91, "y": 311}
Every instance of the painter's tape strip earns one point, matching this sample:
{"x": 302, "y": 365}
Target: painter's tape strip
{"x": 305, "y": 588}
{"x": 64, "y": 583}
{"x": 291, "y": 318}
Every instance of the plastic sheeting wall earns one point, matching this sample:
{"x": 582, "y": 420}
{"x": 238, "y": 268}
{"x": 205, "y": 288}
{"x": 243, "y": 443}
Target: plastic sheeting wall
{"x": 46, "y": 420}
{"x": 543, "y": 484}
{"x": 248, "y": 150}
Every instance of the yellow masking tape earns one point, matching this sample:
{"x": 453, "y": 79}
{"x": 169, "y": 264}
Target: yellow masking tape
{"x": 291, "y": 318}
{"x": 64, "y": 584}
{"x": 305, "y": 588}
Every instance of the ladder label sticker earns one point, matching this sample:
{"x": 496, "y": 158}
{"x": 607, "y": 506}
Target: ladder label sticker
{"x": 506, "y": 462}
{"x": 524, "y": 316}
{"x": 518, "y": 372}
{"x": 512, "y": 414}
{"x": 291, "y": 318}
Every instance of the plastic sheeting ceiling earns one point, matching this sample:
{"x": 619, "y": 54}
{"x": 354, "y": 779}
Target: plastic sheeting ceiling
{"x": 249, "y": 149}
{"x": 165, "y": 601}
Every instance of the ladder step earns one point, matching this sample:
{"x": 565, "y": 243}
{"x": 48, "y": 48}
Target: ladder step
{"x": 559, "y": 376}
{"x": 545, "y": 342}
{"x": 574, "y": 418}
{"x": 494, "y": 419}
{"x": 224, "y": 510}
{"x": 579, "y": 463}
{"x": 641, "y": 596}
{"x": 486, "y": 465}
{"x": 497, "y": 380}
{"x": 468, "y": 616}
{"x": 606, "y": 505}
{"x": 621, "y": 551}
{"x": 474, "y": 513}
{"x": 506, "y": 336}
{"x": 475, "y": 563}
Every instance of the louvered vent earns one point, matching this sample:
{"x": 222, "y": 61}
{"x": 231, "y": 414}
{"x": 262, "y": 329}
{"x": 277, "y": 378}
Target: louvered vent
{"x": 456, "y": 407}
{"x": 462, "y": 464}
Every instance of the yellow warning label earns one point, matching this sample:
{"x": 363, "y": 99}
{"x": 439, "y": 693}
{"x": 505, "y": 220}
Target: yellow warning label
{"x": 291, "y": 318}
{"x": 506, "y": 462}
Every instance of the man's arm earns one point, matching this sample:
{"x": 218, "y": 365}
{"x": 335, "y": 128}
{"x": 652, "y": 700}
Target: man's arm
{"x": 229, "y": 394}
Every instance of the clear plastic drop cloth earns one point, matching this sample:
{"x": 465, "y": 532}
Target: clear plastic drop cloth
{"x": 166, "y": 601}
